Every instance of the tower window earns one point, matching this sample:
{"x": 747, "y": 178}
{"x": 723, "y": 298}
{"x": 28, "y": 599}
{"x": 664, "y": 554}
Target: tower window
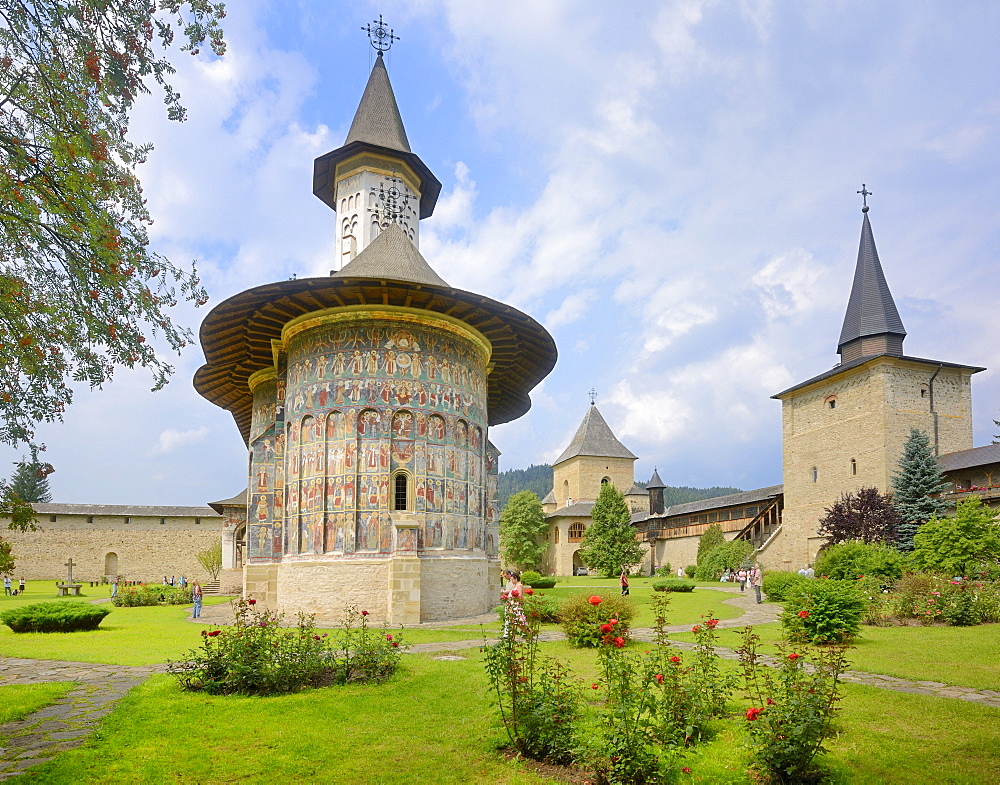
{"x": 162, "y": 521}
{"x": 52, "y": 519}
{"x": 90, "y": 519}
{"x": 854, "y": 467}
{"x": 815, "y": 473}
{"x": 401, "y": 492}
{"x": 556, "y": 533}
{"x": 576, "y": 531}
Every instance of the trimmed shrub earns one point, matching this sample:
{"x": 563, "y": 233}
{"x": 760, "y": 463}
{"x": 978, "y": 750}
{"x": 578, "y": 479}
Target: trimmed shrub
{"x": 584, "y": 618}
{"x": 823, "y": 611}
{"x": 54, "y": 617}
{"x": 728, "y": 556}
{"x": 536, "y": 580}
{"x": 674, "y": 584}
{"x": 776, "y": 585}
{"x": 690, "y": 570}
{"x": 151, "y": 594}
{"x": 856, "y": 559}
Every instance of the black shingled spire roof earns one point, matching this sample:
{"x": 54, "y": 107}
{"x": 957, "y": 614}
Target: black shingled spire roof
{"x": 655, "y": 481}
{"x": 871, "y": 312}
{"x": 594, "y": 437}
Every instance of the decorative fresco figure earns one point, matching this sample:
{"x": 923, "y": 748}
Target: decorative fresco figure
{"x": 402, "y": 425}
{"x": 385, "y": 532}
{"x": 372, "y": 361}
{"x": 262, "y": 511}
{"x": 357, "y": 363}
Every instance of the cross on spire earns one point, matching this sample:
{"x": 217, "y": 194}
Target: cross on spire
{"x": 865, "y": 193}
{"x": 381, "y": 36}
{"x": 593, "y": 396}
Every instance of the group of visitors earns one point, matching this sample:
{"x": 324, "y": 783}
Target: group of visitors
{"x": 8, "y": 586}
{"x": 174, "y": 582}
{"x": 747, "y": 575}
{"x": 807, "y": 571}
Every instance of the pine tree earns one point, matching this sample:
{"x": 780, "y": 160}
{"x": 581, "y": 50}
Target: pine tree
{"x": 522, "y": 525}
{"x": 30, "y": 480}
{"x": 609, "y": 545}
{"x": 919, "y": 477}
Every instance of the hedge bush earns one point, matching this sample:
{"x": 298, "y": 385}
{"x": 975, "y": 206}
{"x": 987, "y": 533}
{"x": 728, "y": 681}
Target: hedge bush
{"x": 673, "y": 585}
{"x": 778, "y": 584}
{"x": 151, "y": 594}
{"x": 728, "y": 556}
{"x": 536, "y": 580}
{"x": 823, "y": 611}
{"x": 856, "y": 559}
{"x": 583, "y": 616}
{"x": 54, "y": 617}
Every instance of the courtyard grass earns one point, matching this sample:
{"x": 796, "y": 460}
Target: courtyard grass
{"x": 17, "y": 701}
{"x": 434, "y": 723}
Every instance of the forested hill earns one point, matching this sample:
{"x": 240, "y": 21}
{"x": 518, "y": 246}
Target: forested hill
{"x": 539, "y": 479}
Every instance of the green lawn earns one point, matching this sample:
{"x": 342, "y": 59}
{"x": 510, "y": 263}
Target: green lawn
{"x": 17, "y": 701}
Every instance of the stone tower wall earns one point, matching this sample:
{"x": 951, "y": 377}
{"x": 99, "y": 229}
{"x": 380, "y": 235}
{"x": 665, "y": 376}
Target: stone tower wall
{"x": 579, "y": 478}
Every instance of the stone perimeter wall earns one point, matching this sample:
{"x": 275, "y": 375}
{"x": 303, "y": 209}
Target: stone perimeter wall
{"x": 146, "y": 550}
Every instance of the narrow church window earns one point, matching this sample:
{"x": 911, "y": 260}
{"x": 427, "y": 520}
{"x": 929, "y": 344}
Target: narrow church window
{"x": 815, "y": 472}
{"x": 556, "y": 531}
{"x": 401, "y": 496}
{"x": 90, "y": 519}
{"x": 854, "y": 466}
{"x": 162, "y": 521}
{"x": 197, "y": 521}
{"x": 127, "y": 519}
{"x": 832, "y": 403}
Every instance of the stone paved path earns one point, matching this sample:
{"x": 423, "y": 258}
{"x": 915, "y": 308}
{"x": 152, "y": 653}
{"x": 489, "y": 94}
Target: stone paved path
{"x": 68, "y": 723}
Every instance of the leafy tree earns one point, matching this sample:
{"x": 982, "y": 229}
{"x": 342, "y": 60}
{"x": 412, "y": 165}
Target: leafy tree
{"x": 609, "y": 545}
{"x": 710, "y": 539}
{"x": 30, "y": 481}
{"x": 79, "y": 286}
{"x": 522, "y": 525}
{"x": 953, "y": 545}
{"x": 20, "y": 517}
{"x": 868, "y": 516}
{"x": 6, "y": 559}
{"x": 211, "y": 559}
{"x": 918, "y": 477}
{"x": 851, "y": 559}
{"x": 727, "y": 556}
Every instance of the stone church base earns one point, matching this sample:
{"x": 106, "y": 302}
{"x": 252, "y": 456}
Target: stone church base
{"x": 402, "y": 589}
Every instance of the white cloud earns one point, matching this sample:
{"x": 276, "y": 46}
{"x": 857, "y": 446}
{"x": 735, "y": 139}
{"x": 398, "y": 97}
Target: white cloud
{"x": 171, "y": 439}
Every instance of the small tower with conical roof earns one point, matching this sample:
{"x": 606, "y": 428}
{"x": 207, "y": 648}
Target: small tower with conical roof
{"x": 655, "y": 489}
{"x": 845, "y": 428}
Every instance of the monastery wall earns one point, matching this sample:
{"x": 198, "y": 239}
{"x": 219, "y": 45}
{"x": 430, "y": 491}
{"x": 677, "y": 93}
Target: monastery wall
{"x": 142, "y": 550}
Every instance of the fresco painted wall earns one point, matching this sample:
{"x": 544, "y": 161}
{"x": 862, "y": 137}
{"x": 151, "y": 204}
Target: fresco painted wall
{"x": 354, "y": 403}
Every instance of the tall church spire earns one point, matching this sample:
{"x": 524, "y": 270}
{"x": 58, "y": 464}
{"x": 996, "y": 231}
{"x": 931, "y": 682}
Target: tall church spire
{"x": 377, "y": 121}
{"x": 871, "y": 325}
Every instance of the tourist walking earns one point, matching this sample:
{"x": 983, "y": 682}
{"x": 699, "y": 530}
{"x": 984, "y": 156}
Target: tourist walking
{"x": 114, "y": 589}
{"x": 741, "y": 576}
{"x": 6, "y": 584}
{"x": 196, "y": 597}
{"x": 756, "y": 580}
{"x": 623, "y": 580}
{"x": 20, "y": 588}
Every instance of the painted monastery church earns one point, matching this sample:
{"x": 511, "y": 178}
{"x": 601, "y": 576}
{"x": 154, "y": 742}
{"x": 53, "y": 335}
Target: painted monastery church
{"x": 365, "y": 400}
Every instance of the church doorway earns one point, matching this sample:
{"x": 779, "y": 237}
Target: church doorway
{"x": 239, "y": 542}
{"x": 578, "y": 566}
{"x": 111, "y": 565}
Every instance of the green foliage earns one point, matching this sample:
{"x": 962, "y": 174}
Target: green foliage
{"x": 256, "y": 656}
{"x": 589, "y": 620}
{"x": 81, "y": 287}
{"x": 930, "y": 598}
{"x": 728, "y": 556}
{"x": 54, "y": 617}
{"x": 30, "y": 480}
{"x": 6, "y": 558}
{"x": 961, "y": 609}
{"x": 536, "y": 478}
{"x": 956, "y": 545}
{"x": 538, "y": 700}
{"x": 150, "y": 594}
{"x": 673, "y": 584}
{"x": 853, "y": 559}
{"x": 823, "y": 611}
{"x": 663, "y": 571}
{"x": 609, "y": 544}
{"x": 778, "y": 584}
{"x": 211, "y": 559}
{"x": 867, "y": 515}
{"x": 522, "y": 527}
{"x": 918, "y": 478}
{"x": 710, "y": 539}
{"x": 690, "y": 570}
{"x": 536, "y": 581}
{"x": 793, "y": 707}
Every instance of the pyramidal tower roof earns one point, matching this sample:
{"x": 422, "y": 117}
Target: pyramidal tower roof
{"x": 595, "y": 437}
{"x": 871, "y": 325}
{"x": 655, "y": 481}
{"x": 391, "y": 256}
{"x": 377, "y": 120}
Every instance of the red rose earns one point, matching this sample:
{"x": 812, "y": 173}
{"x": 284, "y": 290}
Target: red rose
{"x": 659, "y": 678}
{"x": 696, "y": 628}
{"x": 388, "y": 637}
{"x": 595, "y": 600}
{"x": 612, "y": 621}
{"x": 251, "y": 601}
{"x": 606, "y": 628}
{"x": 770, "y": 702}
{"x": 364, "y": 613}
{"x": 686, "y": 770}
{"x": 675, "y": 658}
{"x": 619, "y": 642}
{"x": 515, "y": 593}
{"x": 593, "y": 686}
{"x": 711, "y": 623}
{"x": 752, "y": 713}
{"x": 804, "y": 614}
{"x": 213, "y": 633}
{"x": 395, "y": 644}
{"x": 529, "y": 591}
{"x": 793, "y": 656}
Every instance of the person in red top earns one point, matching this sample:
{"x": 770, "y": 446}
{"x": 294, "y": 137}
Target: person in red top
{"x": 623, "y": 580}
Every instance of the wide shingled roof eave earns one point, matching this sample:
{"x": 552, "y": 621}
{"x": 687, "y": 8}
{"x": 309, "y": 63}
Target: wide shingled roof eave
{"x": 236, "y": 336}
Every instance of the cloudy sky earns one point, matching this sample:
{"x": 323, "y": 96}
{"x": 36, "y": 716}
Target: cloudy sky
{"x": 669, "y": 187}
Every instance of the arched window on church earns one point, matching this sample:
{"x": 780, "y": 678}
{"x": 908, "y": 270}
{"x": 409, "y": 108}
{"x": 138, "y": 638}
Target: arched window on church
{"x": 556, "y": 531}
{"x": 854, "y": 467}
{"x": 401, "y": 491}
{"x": 576, "y": 531}
{"x": 605, "y": 480}
{"x": 815, "y": 473}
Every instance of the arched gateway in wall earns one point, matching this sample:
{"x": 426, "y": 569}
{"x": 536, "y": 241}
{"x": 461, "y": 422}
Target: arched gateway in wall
{"x": 365, "y": 400}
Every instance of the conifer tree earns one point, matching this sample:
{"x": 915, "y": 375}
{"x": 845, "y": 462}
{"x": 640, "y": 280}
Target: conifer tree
{"x": 918, "y": 477}
{"x": 609, "y": 545}
{"x": 522, "y": 526}
{"x": 30, "y": 481}
{"x": 710, "y": 539}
